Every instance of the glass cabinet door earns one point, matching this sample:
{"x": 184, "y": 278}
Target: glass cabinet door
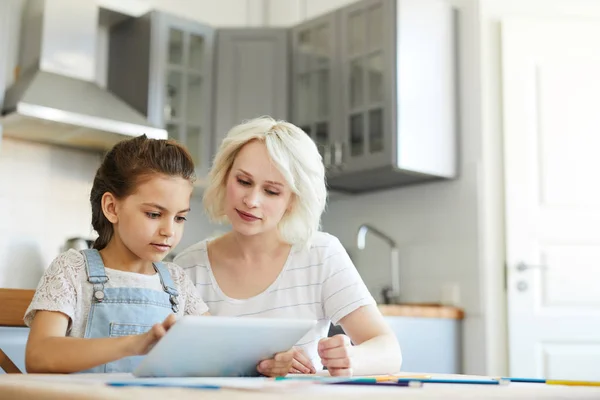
{"x": 367, "y": 65}
{"x": 312, "y": 83}
{"x": 187, "y": 95}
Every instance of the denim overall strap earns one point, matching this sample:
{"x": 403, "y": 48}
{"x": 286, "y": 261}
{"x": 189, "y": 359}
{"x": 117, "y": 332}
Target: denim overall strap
{"x": 122, "y": 311}
{"x": 95, "y": 271}
{"x": 168, "y": 285}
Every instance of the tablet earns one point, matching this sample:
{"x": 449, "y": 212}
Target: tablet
{"x": 220, "y": 346}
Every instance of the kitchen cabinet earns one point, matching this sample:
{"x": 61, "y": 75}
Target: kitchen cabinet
{"x": 251, "y": 73}
{"x": 13, "y": 341}
{"x": 314, "y": 105}
{"x": 6, "y": 12}
{"x": 430, "y": 337}
{"x": 373, "y": 84}
{"x": 163, "y": 65}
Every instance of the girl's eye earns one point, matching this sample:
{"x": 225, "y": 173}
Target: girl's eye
{"x": 243, "y": 182}
{"x": 180, "y": 219}
{"x": 153, "y": 215}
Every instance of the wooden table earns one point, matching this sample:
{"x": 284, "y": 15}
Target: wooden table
{"x": 43, "y": 387}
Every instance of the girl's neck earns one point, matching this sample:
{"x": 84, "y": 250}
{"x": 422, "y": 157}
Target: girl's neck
{"x": 117, "y": 256}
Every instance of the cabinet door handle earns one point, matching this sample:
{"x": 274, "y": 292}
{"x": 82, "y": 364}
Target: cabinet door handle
{"x": 327, "y": 155}
{"x": 524, "y": 267}
{"x": 338, "y": 153}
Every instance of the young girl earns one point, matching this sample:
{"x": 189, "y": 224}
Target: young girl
{"x": 268, "y": 182}
{"x": 98, "y": 310}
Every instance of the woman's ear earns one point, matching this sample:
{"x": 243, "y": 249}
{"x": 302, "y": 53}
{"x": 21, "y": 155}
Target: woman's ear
{"x": 291, "y": 203}
{"x": 109, "y": 207}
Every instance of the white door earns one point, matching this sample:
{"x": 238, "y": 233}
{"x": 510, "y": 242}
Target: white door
{"x": 551, "y": 107}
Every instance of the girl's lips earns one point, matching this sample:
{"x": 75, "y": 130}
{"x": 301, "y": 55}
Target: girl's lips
{"x": 161, "y": 247}
{"x": 246, "y": 217}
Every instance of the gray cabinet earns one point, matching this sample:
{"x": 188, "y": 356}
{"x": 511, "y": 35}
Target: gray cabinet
{"x": 366, "y": 43}
{"x": 251, "y": 73}
{"x": 315, "y": 62}
{"x": 388, "y": 99}
{"x": 162, "y": 65}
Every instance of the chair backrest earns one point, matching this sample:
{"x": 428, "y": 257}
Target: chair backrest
{"x": 14, "y": 303}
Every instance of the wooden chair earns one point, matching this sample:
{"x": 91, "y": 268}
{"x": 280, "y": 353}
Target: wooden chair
{"x": 13, "y": 302}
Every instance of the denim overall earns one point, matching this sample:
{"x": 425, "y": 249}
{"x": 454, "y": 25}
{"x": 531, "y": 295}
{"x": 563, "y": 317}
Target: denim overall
{"x": 125, "y": 311}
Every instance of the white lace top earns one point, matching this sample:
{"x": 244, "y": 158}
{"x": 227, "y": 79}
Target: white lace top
{"x": 64, "y": 287}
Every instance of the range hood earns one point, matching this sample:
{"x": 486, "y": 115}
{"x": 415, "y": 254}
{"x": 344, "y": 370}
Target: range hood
{"x": 55, "y": 98}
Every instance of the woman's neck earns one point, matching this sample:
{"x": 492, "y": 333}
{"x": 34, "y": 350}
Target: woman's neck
{"x": 117, "y": 256}
{"x": 255, "y": 248}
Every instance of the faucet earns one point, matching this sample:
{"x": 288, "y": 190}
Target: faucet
{"x": 390, "y": 294}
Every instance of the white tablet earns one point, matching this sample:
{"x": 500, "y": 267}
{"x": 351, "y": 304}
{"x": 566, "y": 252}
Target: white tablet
{"x": 220, "y": 346}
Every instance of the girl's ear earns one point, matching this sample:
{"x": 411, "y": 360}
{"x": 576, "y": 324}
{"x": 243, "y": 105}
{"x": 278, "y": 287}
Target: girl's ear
{"x": 109, "y": 207}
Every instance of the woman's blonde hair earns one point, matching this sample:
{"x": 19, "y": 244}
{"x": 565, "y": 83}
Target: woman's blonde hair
{"x": 295, "y": 155}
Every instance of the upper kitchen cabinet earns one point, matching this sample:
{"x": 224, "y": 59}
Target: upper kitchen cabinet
{"x": 391, "y": 99}
{"x": 251, "y": 76}
{"x": 314, "y": 87}
{"x": 162, "y": 65}
{"x": 367, "y": 60}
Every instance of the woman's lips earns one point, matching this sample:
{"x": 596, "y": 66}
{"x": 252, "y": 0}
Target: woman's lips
{"x": 246, "y": 216}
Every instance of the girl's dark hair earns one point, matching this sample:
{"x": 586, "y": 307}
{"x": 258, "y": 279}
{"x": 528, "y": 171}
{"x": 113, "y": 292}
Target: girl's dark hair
{"x": 123, "y": 168}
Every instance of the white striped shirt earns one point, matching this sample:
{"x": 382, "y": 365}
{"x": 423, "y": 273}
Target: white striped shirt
{"x": 319, "y": 283}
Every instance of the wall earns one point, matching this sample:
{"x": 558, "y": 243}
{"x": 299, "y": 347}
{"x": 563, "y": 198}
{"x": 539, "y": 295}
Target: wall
{"x": 492, "y": 12}
{"x": 44, "y": 189}
{"x": 44, "y": 199}
{"x": 450, "y": 232}
{"x": 436, "y": 225}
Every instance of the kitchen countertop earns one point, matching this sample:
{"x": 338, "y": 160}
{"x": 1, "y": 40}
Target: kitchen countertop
{"x": 18, "y": 300}
{"x": 418, "y": 310}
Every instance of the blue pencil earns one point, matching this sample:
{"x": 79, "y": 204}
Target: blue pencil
{"x": 453, "y": 381}
{"x": 164, "y": 384}
{"x": 524, "y": 380}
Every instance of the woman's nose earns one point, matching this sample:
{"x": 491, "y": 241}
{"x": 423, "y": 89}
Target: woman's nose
{"x": 252, "y": 199}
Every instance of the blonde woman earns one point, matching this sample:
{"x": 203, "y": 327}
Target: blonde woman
{"x": 268, "y": 183}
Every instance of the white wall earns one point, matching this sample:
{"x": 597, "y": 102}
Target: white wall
{"x": 449, "y": 232}
{"x": 436, "y": 225}
{"x": 492, "y": 12}
{"x": 44, "y": 199}
{"x": 44, "y": 189}
{"x": 216, "y": 13}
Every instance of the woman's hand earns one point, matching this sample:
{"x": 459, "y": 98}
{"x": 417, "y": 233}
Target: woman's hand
{"x": 144, "y": 342}
{"x": 336, "y": 354}
{"x": 293, "y": 361}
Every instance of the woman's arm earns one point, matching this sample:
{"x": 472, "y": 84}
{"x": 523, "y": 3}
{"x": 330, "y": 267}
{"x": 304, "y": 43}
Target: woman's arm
{"x": 376, "y": 349}
{"x": 49, "y": 351}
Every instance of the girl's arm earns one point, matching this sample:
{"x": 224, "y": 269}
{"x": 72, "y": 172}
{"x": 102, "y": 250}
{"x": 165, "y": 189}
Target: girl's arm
{"x": 50, "y": 351}
{"x": 375, "y": 351}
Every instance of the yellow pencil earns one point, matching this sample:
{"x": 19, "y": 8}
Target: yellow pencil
{"x": 393, "y": 378}
{"x": 572, "y": 383}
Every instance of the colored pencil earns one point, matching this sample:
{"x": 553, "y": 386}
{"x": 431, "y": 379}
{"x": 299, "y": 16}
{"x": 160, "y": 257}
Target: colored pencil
{"x": 565, "y": 382}
{"x": 453, "y": 381}
{"x": 571, "y": 383}
{"x": 370, "y": 382}
{"x": 522, "y": 380}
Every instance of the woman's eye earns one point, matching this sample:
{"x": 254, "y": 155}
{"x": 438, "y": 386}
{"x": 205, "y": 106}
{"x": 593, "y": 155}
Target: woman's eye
{"x": 243, "y": 182}
{"x": 180, "y": 219}
{"x": 271, "y": 193}
{"x": 152, "y": 215}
